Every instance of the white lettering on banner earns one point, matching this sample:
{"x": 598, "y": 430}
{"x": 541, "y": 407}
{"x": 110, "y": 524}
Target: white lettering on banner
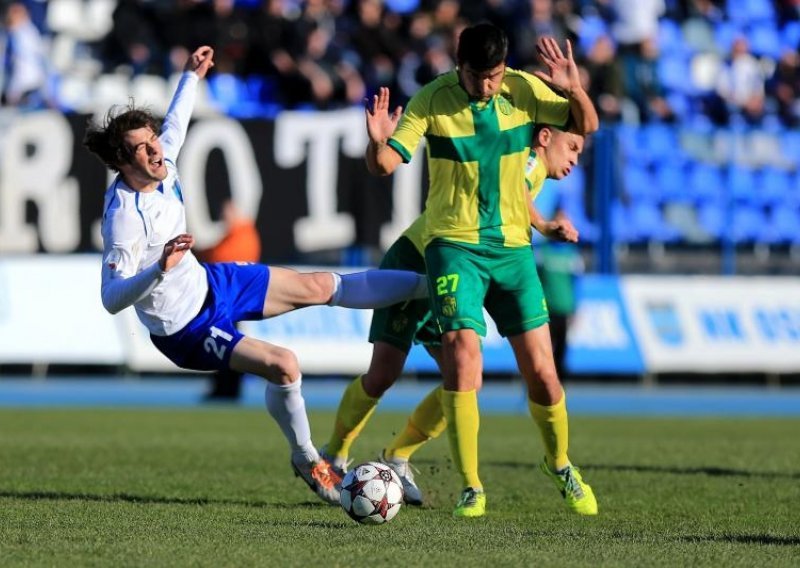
{"x": 36, "y": 157}
{"x": 406, "y": 198}
{"x": 314, "y": 137}
{"x": 245, "y": 179}
{"x": 598, "y": 325}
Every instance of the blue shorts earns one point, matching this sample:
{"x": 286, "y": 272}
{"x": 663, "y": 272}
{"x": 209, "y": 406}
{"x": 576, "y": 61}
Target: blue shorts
{"x": 236, "y": 292}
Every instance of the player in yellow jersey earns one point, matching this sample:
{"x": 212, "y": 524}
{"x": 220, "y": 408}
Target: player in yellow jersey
{"x": 478, "y": 121}
{"x": 554, "y": 154}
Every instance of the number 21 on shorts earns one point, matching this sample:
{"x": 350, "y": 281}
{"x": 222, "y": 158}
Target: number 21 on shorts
{"x": 210, "y": 344}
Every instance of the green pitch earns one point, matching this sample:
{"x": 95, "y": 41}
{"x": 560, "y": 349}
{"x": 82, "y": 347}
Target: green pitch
{"x": 213, "y": 487}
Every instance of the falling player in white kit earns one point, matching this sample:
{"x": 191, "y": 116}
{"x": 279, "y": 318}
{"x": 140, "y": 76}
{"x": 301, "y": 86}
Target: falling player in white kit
{"x": 190, "y": 308}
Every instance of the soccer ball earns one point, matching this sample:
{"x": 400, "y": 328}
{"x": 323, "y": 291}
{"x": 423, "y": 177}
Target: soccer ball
{"x": 371, "y": 493}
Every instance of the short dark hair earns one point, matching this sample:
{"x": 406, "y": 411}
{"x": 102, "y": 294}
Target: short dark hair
{"x": 482, "y": 46}
{"x": 106, "y": 141}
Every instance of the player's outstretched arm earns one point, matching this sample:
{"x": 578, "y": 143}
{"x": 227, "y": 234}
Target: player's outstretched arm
{"x": 381, "y": 159}
{"x": 559, "y": 228}
{"x": 176, "y": 122}
{"x": 562, "y": 74}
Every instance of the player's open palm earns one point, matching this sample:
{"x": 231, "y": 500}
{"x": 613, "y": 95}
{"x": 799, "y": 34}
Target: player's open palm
{"x": 562, "y": 72}
{"x": 381, "y": 123}
{"x": 174, "y": 251}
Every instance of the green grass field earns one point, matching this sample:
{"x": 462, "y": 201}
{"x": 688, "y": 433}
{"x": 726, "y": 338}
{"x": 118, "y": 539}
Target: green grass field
{"x": 212, "y": 487}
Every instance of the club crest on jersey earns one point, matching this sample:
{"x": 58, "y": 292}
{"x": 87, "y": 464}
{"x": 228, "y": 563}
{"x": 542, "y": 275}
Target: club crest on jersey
{"x": 449, "y": 306}
{"x": 504, "y": 102}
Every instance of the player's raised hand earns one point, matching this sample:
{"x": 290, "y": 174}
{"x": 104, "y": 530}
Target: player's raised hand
{"x": 201, "y": 61}
{"x": 562, "y": 72}
{"x": 174, "y": 251}
{"x": 380, "y": 123}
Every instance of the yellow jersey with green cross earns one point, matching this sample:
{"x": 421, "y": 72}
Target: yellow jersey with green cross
{"x": 477, "y": 155}
{"x": 535, "y": 174}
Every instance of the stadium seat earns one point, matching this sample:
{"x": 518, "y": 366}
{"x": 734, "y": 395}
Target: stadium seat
{"x": 747, "y": 224}
{"x": 784, "y": 222}
{"x": 670, "y": 178}
{"x": 649, "y": 224}
{"x": 773, "y": 184}
{"x": 705, "y": 182}
{"x": 629, "y": 138}
{"x": 674, "y": 72}
{"x": 232, "y": 96}
{"x": 592, "y": 27}
{"x": 712, "y": 218}
{"x": 741, "y": 183}
{"x": 765, "y": 40}
{"x": 790, "y": 35}
{"x": 623, "y": 229}
{"x": 639, "y": 185}
{"x": 750, "y": 11}
{"x": 660, "y": 142}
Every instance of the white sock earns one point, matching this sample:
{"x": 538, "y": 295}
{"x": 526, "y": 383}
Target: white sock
{"x": 286, "y": 405}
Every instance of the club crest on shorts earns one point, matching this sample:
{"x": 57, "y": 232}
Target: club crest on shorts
{"x": 399, "y": 323}
{"x": 449, "y": 306}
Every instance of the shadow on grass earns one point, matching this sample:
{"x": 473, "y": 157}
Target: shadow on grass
{"x": 149, "y": 499}
{"x": 711, "y": 471}
{"x": 764, "y": 539}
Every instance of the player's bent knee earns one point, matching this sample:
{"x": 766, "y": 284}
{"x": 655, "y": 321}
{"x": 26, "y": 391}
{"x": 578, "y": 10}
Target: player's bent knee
{"x": 284, "y": 367}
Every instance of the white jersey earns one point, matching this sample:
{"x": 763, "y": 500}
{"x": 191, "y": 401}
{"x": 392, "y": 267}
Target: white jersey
{"x": 137, "y": 225}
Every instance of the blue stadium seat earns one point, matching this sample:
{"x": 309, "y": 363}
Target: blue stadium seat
{"x": 790, "y": 35}
{"x": 765, "y": 40}
{"x": 747, "y": 224}
{"x": 670, "y": 178}
{"x": 232, "y": 95}
{"x": 630, "y": 142}
{"x": 712, "y": 218}
{"x": 750, "y": 11}
{"x": 639, "y": 183}
{"x": 706, "y": 182}
{"x": 592, "y": 27}
{"x": 649, "y": 224}
{"x": 784, "y": 222}
{"x": 674, "y": 73}
{"x": 622, "y": 227}
{"x": 773, "y": 185}
{"x": 741, "y": 183}
{"x": 660, "y": 142}
{"x": 670, "y": 39}
{"x": 724, "y": 34}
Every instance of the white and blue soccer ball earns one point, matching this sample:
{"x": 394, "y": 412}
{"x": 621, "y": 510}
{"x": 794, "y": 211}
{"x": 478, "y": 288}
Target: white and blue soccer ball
{"x": 371, "y": 493}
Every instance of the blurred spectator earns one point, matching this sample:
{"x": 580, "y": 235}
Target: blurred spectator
{"x": 784, "y": 86}
{"x": 536, "y": 19}
{"x": 24, "y": 73}
{"x": 428, "y": 57}
{"x": 740, "y": 88}
{"x": 603, "y": 78}
{"x": 241, "y": 243}
{"x": 134, "y": 38}
{"x": 332, "y": 80}
{"x": 378, "y": 46}
{"x": 635, "y": 31}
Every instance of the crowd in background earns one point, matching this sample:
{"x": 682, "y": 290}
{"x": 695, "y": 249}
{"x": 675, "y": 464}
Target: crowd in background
{"x": 642, "y": 60}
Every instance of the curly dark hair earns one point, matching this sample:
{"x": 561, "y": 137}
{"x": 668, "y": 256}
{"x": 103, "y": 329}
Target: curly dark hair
{"x": 106, "y": 141}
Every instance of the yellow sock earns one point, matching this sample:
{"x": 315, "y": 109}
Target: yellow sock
{"x": 461, "y": 412}
{"x": 426, "y": 422}
{"x": 554, "y": 428}
{"x": 354, "y": 411}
